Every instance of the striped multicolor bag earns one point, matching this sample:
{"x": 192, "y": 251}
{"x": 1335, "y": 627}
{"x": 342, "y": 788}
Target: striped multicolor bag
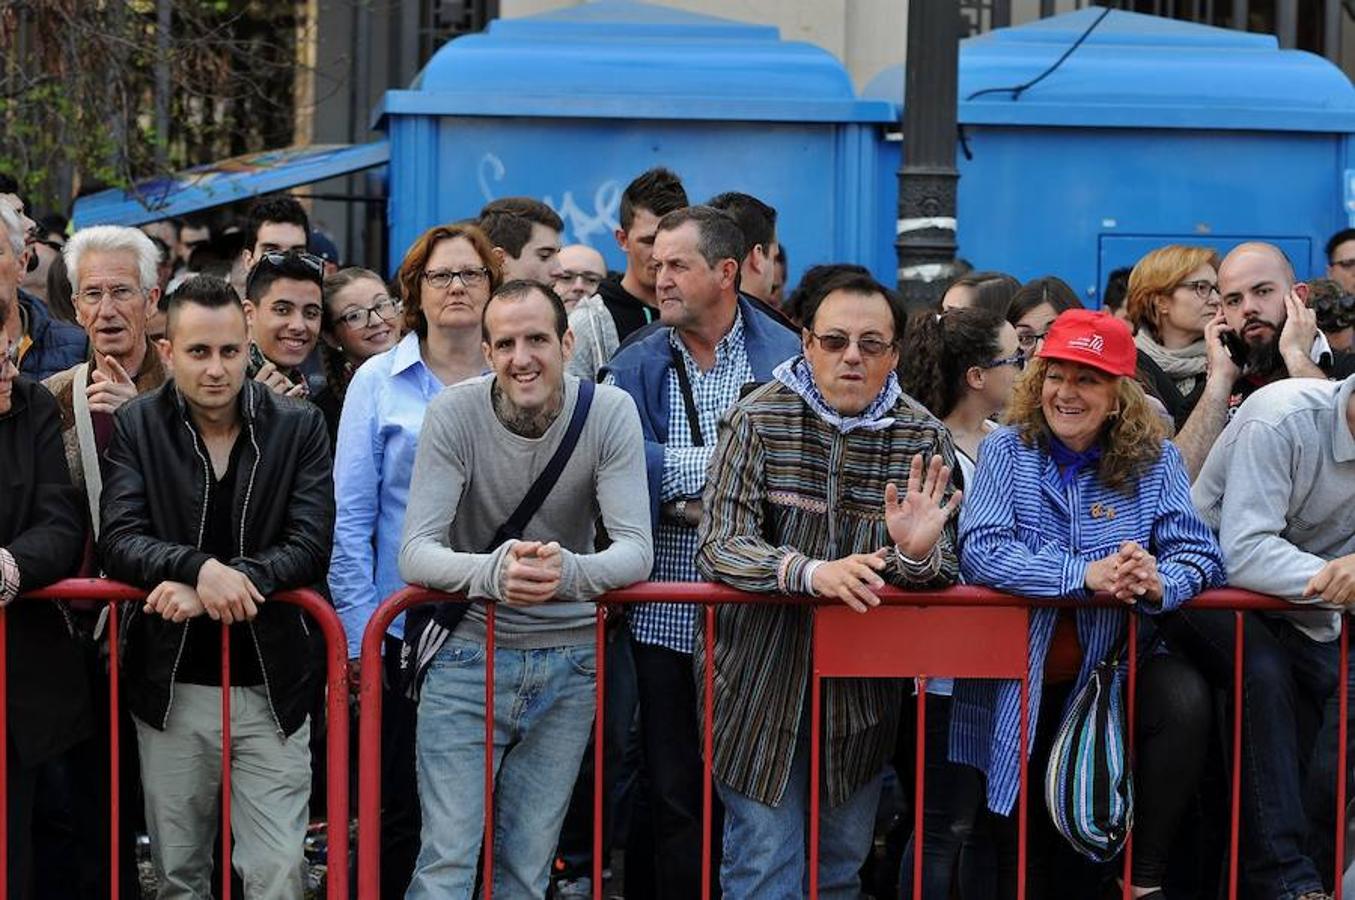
{"x": 1089, "y": 785}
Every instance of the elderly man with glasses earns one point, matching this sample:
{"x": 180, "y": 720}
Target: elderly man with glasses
{"x": 825, "y": 482}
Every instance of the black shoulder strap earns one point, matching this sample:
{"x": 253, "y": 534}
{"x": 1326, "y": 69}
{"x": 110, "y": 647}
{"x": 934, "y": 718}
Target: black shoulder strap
{"x": 541, "y": 488}
{"x": 688, "y": 401}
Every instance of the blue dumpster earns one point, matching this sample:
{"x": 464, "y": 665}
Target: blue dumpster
{"x": 569, "y": 106}
{"x": 1152, "y": 131}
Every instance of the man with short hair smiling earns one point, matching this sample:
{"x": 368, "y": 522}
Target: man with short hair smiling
{"x": 284, "y": 308}
{"x": 831, "y": 438}
{"x": 526, "y": 236}
{"x": 484, "y": 441}
{"x": 115, "y": 290}
{"x": 683, "y": 377}
{"x": 218, "y": 495}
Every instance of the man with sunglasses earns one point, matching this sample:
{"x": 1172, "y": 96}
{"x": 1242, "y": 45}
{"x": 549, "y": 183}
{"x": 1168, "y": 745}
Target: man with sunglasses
{"x": 825, "y": 482}
{"x": 683, "y": 377}
{"x": 284, "y": 307}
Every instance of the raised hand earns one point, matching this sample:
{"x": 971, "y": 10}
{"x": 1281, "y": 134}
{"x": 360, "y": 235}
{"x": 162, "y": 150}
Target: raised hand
{"x": 108, "y": 391}
{"x": 916, "y": 519}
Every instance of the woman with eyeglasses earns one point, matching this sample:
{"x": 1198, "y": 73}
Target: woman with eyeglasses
{"x": 961, "y": 365}
{"x": 1173, "y": 307}
{"x": 360, "y": 319}
{"x": 1035, "y": 307}
{"x": 445, "y": 279}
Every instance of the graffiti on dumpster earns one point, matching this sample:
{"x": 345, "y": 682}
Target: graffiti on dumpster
{"x": 581, "y": 224}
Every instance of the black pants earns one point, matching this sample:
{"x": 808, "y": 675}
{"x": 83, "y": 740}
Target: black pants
{"x": 401, "y": 817}
{"x": 671, "y": 733}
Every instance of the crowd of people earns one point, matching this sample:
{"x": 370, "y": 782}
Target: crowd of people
{"x": 508, "y": 422}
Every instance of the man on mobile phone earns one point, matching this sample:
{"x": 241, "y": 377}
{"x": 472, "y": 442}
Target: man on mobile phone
{"x": 1263, "y": 332}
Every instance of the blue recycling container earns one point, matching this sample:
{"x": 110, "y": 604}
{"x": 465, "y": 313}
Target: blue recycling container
{"x": 569, "y": 106}
{"x": 1151, "y": 131}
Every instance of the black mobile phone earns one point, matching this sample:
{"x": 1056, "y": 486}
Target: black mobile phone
{"x": 1237, "y": 348}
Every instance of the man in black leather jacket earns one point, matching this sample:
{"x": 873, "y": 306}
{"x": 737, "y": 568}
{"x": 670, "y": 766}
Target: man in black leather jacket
{"x": 217, "y": 494}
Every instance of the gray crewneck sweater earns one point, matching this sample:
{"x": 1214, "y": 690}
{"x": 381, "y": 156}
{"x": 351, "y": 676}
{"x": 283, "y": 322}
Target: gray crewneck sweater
{"x": 471, "y": 472}
{"x": 1279, "y": 488}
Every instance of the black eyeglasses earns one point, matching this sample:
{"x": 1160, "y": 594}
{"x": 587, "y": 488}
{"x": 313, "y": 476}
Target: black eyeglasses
{"x": 1202, "y": 288}
{"x": 838, "y": 343}
{"x": 1029, "y": 340}
{"x": 385, "y": 309}
{"x": 590, "y": 279}
{"x": 442, "y": 279}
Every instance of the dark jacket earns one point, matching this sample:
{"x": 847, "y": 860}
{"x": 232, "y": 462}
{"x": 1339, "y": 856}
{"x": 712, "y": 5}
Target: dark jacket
{"x": 42, "y": 524}
{"x": 153, "y": 509}
{"x": 629, "y": 312}
{"x": 57, "y": 345}
{"x": 641, "y": 370}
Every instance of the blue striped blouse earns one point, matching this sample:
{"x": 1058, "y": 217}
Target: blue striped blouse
{"x": 1023, "y": 533}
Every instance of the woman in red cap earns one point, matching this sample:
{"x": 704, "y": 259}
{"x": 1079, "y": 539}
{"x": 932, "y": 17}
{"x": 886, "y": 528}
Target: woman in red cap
{"x": 1081, "y": 494}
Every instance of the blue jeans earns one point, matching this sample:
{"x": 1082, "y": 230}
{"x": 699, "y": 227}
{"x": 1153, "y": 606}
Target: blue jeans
{"x": 543, "y": 711}
{"x": 1288, "y": 682}
{"x": 765, "y": 847}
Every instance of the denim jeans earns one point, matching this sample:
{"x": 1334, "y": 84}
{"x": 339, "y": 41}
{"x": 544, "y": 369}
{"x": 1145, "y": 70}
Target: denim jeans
{"x": 543, "y": 711}
{"x": 1288, "y": 680}
{"x": 766, "y": 847}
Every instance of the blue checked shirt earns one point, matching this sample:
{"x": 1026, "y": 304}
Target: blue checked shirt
{"x": 684, "y": 477}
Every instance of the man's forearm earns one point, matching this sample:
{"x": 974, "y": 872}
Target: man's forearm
{"x": 1204, "y": 426}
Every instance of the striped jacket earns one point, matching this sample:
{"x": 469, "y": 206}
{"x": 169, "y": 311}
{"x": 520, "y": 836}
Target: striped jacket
{"x": 785, "y": 488}
{"x": 1022, "y": 532}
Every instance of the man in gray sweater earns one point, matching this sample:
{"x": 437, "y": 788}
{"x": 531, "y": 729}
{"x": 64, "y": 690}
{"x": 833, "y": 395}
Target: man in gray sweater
{"x": 484, "y": 442}
{"x": 1279, "y": 487}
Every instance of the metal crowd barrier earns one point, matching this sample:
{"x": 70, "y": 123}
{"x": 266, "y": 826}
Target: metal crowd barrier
{"x": 963, "y": 632}
{"x": 336, "y": 652}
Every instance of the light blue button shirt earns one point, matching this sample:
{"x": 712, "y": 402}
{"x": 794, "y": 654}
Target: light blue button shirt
{"x": 373, "y": 460}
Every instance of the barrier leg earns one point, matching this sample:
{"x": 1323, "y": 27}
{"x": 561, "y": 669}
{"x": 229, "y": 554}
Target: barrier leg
{"x": 4, "y": 754}
{"x": 1342, "y": 695}
{"x": 815, "y": 727}
{"x": 919, "y": 802}
{"x": 1236, "y": 816}
{"x": 489, "y": 753}
{"x": 1131, "y": 700}
{"x": 226, "y": 867}
{"x": 598, "y": 755}
{"x": 114, "y": 756}
{"x": 1024, "y": 788}
{"x": 707, "y": 751}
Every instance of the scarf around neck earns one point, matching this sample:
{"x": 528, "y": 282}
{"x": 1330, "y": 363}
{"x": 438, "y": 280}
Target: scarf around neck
{"x": 795, "y": 374}
{"x": 1071, "y": 462}
{"x": 1182, "y": 366}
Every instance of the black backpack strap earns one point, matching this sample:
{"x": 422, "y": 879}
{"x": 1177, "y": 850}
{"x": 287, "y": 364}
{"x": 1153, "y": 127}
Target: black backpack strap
{"x": 428, "y": 627}
{"x": 545, "y": 482}
{"x": 688, "y": 401}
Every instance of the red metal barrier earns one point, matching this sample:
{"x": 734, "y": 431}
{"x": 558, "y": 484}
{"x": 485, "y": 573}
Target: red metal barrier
{"x": 963, "y": 632}
{"x": 336, "y": 664}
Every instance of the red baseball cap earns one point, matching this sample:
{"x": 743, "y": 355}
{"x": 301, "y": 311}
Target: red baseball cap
{"x": 1091, "y": 338}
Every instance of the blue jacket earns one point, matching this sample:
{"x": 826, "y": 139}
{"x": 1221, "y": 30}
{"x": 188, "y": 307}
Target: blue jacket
{"x": 641, "y": 370}
{"x": 1022, "y": 532}
{"x": 57, "y": 345}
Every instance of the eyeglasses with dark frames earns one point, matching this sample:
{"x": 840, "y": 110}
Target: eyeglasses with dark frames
{"x": 838, "y": 343}
{"x": 385, "y": 309}
{"x": 441, "y": 279}
{"x": 1017, "y": 359}
{"x": 1203, "y": 288}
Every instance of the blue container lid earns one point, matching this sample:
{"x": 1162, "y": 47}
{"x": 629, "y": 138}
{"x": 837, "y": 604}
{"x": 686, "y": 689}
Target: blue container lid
{"x": 1140, "y": 71}
{"x": 615, "y": 59}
